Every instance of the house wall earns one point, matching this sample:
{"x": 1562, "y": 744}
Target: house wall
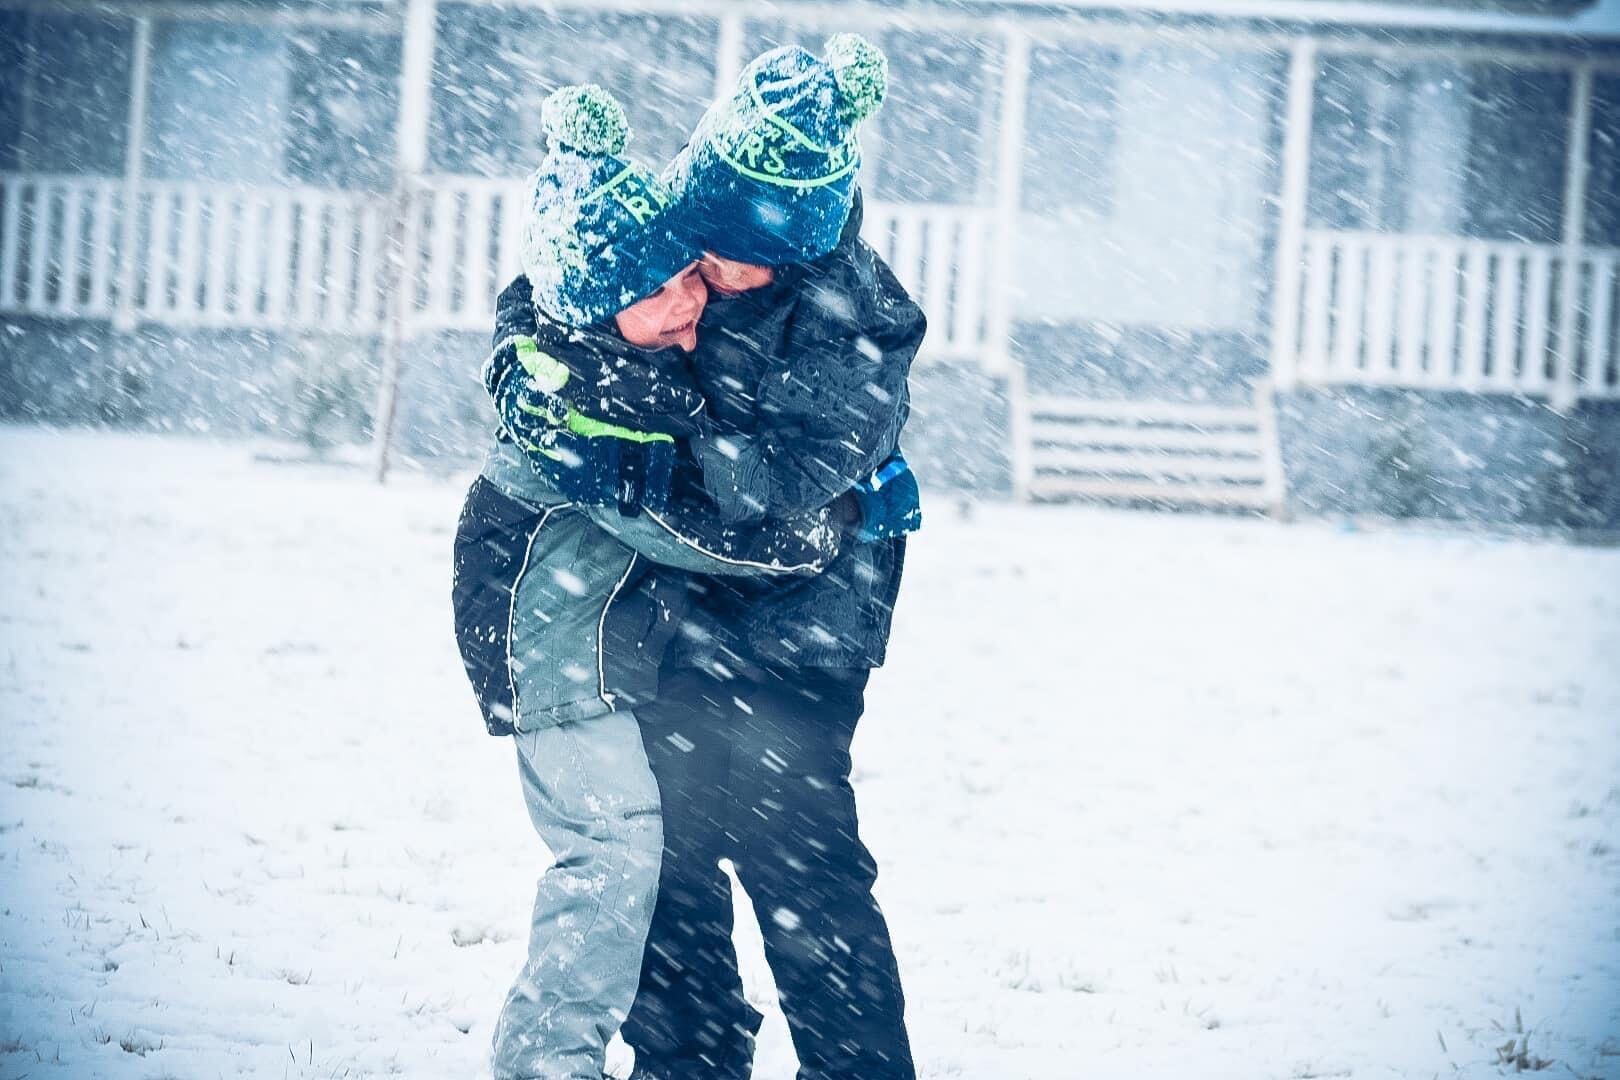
{"x": 1460, "y": 457}
{"x": 1144, "y": 250}
{"x": 234, "y": 103}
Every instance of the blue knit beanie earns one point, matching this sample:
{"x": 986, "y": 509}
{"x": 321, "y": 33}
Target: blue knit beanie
{"x": 769, "y": 173}
{"x": 599, "y": 234}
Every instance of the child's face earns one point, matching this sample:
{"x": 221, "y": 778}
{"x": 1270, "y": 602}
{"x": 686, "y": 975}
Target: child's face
{"x": 666, "y": 317}
{"x": 728, "y": 277}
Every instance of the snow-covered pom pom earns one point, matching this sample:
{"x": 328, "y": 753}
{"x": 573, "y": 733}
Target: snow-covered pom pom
{"x": 585, "y": 119}
{"x": 862, "y": 72}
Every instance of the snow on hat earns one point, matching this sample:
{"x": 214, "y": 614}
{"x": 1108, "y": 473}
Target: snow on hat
{"x": 599, "y": 234}
{"x": 769, "y": 173}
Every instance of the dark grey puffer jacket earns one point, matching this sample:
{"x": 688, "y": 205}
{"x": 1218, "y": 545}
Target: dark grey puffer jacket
{"x": 807, "y": 380}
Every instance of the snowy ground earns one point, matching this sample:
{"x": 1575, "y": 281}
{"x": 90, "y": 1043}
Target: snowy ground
{"x": 1154, "y": 796}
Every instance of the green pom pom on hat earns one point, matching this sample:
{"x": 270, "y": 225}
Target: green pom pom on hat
{"x": 585, "y": 119}
{"x": 862, "y": 73}
{"x": 598, "y": 234}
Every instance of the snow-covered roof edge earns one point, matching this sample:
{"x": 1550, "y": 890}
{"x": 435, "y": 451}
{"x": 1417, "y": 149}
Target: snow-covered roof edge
{"x": 1599, "y": 20}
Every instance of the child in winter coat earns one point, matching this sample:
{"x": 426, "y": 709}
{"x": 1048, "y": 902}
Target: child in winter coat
{"x": 560, "y": 625}
{"x": 804, "y": 355}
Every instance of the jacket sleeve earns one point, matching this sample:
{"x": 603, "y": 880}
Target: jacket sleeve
{"x": 623, "y": 393}
{"x": 686, "y": 538}
{"x": 839, "y": 411}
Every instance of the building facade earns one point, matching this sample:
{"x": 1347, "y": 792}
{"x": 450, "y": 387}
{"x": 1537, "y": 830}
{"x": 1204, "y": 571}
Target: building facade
{"x": 1332, "y": 257}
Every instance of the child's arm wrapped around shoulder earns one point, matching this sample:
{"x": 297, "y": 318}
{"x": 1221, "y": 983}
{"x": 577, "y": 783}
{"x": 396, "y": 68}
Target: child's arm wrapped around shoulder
{"x": 600, "y": 428}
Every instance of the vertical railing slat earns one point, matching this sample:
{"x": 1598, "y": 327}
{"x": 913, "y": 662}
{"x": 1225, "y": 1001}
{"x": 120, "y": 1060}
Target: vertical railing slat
{"x": 1412, "y": 297}
{"x": 1441, "y": 355}
{"x": 1533, "y": 377}
{"x": 1566, "y": 376}
{"x": 160, "y": 231}
{"x": 1377, "y": 365}
{"x": 1506, "y": 318}
{"x": 441, "y": 255}
{"x": 39, "y": 243}
{"x": 190, "y": 270}
{"x": 249, "y": 257}
{"x": 99, "y": 300}
{"x": 907, "y": 264}
{"x": 278, "y": 265}
{"x": 368, "y": 286}
{"x": 216, "y": 287}
{"x": 10, "y": 239}
{"x": 1599, "y": 311}
{"x": 70, "y": 255}
{"x": 967, "y": 316}
{"x": 1345, "y": 359}
{"x": 476, "y": 293}
{"x": 311, "y": 266}
{"x": 1313, "y": 359}
{"x": 967, "y": 310}
{"x": 340, "y": 287}
{"x": 1476, "y": 294}
{"x": 940, "y": 251}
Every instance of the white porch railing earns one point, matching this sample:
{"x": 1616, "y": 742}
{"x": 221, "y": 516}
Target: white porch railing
{"x": 59, "y": 238}
{"x": 463, "y": 237}
{"x": 302, "y": 258}
{"x": 194, "y": 254}
{"x": 1448, "y": 313}
{"x": 1373, "y": 309}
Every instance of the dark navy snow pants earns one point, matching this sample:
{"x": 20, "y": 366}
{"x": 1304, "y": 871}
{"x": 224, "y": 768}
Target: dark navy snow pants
{"x": 756, "y": 769}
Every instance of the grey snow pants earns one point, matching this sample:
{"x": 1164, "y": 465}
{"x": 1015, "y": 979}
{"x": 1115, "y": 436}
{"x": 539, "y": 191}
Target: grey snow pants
{"x": 593, "y": 799}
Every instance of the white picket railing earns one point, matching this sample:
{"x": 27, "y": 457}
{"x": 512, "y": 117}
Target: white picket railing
{"x": 1448, "y": 313}
{"x": 304, "y": 258}
{"x": 1374, "y": 309}
{"x": 194, "y": 254}
{"x": 942, "y": 255}
{"x": 463, "y": 237}
{"x": 59, "y": 237}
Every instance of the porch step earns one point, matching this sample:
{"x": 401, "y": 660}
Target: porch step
{"x": 1161, "y": 452}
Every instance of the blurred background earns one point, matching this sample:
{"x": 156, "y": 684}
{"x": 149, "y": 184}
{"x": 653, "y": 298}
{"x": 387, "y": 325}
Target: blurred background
{"x": 1314, "y": 779}
{"x": 1302, "y": 256}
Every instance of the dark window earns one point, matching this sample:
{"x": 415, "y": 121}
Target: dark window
{"x": 1518, "y": 137}
{"x": 1603, "y": 165}
{"x": 1071, "y": 129}
{"x": 1437, "y": 147}
{"x": 345, "y": 95}
{"x": 66, "y": 89}
{"x": 494, "y": 66}
{"x": 218, "y": 103}
{"x": 934, "y": 144}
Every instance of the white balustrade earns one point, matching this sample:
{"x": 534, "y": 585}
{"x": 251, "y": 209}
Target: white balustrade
{"x": 56, "y": 244}
{"x": 1429, "y": 312}
{"x": 472, "y": 225}
{"x": 1445, "y": 313}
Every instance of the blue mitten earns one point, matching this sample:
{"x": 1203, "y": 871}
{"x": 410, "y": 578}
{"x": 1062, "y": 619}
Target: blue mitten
{"x": 889, "y": 500}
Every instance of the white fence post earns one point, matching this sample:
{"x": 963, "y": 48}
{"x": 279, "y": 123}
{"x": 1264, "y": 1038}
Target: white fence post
{"x": 1565, "y": 386}
{"x": 728, "y": 53}
{"x": 1275, "y": 484}
{"x": 134, "y": 148}
{"x": 415, "y": 100}
{"x": 1009, "y": 198}
{"x": 1285, "y": 315}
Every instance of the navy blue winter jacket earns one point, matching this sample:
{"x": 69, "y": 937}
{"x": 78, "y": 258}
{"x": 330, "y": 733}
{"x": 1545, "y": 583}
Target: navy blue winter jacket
{"x": 806, "y": 380}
